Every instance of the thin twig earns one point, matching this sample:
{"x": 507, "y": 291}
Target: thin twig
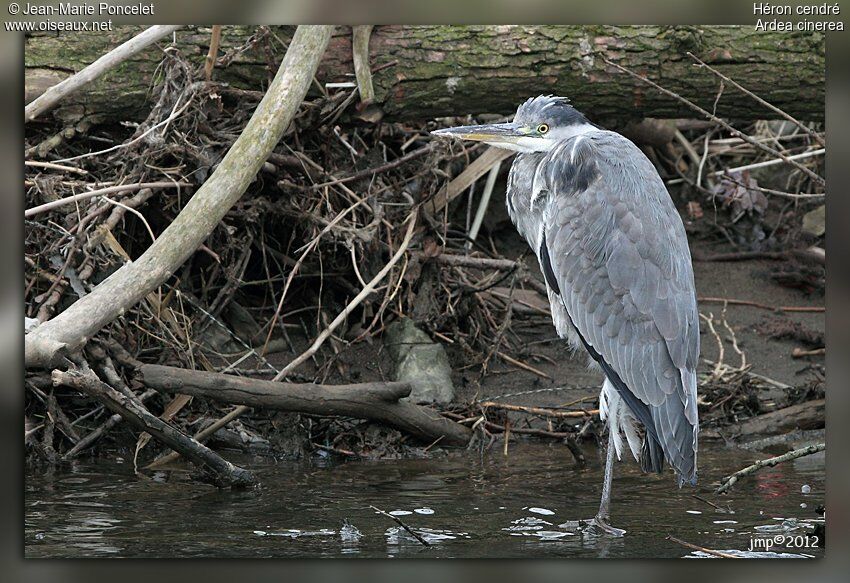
{"x": 719, "y": 366}
{"x": 694, "y": 547}
{"x": 135, "y": 212}
{"x": 52, "y": 166}
{"x": 712, "y": 504}
{"x": 764, "y": 164}
{"x": 728, "y": 177}
{"x": 379, "y": 169}
{"x": 100, "y": 431}
{"x": 800, "y": 353}
{"x": 814, "y": 135}
{"x": 474, "y": 262}
{"x": 714, "y": 118}
{"x": 733, "y": 302}
{"x": 398, "y": 520}
{"x": 750, "y": 373}
{"x": 320, "y": 339}
{"x": 490, "y": 426}
{"x": 522, "y": 365}
{"x": 730, "y": 480}
{"x": 124, "y": 188}
{"x": 175, "y": 113}
{"x": 305, "y": 250}
{"x": 539, "y": 410}
{"x": 202, "y": 435}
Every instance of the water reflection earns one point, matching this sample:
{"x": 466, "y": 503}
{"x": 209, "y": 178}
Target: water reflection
{"x": 463, "y": 505}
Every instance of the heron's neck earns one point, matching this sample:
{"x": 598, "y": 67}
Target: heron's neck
{"x": 521, "y": 182}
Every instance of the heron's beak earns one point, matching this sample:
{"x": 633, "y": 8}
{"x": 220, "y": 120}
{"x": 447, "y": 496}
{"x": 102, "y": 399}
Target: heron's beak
{"x": 490, "y": 133}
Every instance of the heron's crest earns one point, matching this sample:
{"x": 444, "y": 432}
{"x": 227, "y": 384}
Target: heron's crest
{"x": 549, "y": 109}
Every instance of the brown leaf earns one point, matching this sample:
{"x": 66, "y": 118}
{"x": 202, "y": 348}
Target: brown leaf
{"x": 739, "y": 193}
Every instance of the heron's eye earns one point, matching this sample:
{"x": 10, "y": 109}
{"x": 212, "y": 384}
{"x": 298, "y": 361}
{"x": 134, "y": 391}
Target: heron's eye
{"x": 542, "y": 128}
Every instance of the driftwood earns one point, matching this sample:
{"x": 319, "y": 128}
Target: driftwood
{"x": 807, "y": 415}
{"x": 222, "y": 472}
{"x": 374, "y": 401}
{"x": 424, "y": 71}
{"x": 72, "y": 328}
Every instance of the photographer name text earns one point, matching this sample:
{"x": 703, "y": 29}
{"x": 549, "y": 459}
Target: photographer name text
{"x": 99, "y": 9}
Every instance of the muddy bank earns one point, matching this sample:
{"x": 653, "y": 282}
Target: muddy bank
{"x": 564, "y": 380}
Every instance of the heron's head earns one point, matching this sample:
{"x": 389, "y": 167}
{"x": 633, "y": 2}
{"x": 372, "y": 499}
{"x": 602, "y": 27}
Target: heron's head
{"x": 539, "y": 124}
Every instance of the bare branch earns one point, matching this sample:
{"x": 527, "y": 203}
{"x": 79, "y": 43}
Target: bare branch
{"x": 223, "y": 472}
{"x": 730, "y": 480}
{"x": 124, "y": 188}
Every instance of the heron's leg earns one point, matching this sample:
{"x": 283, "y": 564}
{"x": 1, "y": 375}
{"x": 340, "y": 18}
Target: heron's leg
{"x": 605, "y": 504}
{"x": 601, "y": 520}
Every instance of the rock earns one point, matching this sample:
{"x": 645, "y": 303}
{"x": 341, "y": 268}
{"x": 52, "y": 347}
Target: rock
{"x": 814, "y": 222}
{"x": 419, "y": 361}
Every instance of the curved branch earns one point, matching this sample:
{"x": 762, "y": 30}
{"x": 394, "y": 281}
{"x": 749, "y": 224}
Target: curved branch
{"x": 130, "y": 284}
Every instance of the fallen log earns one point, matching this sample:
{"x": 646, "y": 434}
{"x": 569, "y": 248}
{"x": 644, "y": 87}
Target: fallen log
{"x": 424, "y": 71}
{"x": 220, "y": 471}
{"x": 807, "y": 415}
{"x": 373, "y": 401}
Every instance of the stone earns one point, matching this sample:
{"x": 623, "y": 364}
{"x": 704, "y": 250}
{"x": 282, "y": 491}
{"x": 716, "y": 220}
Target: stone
{"x": 814, "y": 222}
{"x": 419, "y": 361}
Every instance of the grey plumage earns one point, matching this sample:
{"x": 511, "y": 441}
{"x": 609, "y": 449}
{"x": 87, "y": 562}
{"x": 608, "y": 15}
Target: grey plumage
{"x": 615, "y": 257}
{"x": 620, "y": 259}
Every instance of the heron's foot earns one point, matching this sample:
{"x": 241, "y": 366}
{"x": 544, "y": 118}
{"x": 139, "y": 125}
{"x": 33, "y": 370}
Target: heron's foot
{"x": 599, "y": 526}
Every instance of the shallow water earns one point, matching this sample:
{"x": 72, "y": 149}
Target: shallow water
{"x": 464, "y": 504}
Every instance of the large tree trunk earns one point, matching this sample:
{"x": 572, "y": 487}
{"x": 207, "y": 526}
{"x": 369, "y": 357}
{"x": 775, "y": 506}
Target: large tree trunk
{"x": 426, "y": 71}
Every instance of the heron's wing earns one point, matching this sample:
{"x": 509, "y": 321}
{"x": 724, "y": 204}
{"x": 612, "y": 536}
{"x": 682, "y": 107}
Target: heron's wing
{"x": 618, "y": 254}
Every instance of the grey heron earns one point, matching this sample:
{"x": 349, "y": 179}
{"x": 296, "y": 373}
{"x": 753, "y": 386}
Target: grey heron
{"x": 615, "y": 258}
